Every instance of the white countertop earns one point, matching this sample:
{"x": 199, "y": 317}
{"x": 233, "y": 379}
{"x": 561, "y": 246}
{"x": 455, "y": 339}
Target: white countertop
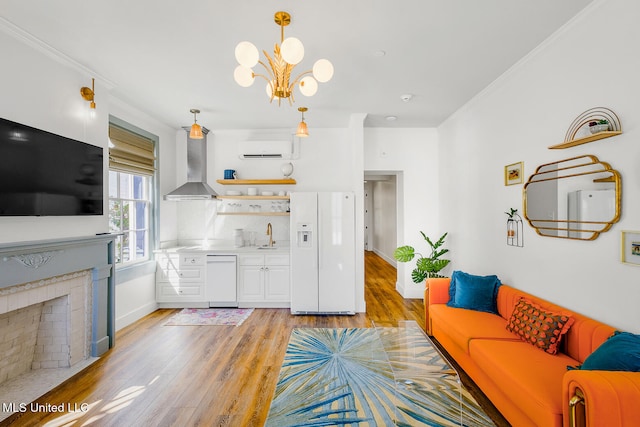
{"x": 222, "y": 250}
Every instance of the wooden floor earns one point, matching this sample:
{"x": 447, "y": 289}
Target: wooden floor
{"x": 208, "y": 375}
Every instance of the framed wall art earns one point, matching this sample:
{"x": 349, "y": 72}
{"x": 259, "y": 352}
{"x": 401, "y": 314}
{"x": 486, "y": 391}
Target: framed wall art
{"x": 630, "y": 247}
{"x": 513, "y": 174}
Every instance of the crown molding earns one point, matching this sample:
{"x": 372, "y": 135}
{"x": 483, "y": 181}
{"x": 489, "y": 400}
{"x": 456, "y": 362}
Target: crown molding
{"x": 30, "y": 40}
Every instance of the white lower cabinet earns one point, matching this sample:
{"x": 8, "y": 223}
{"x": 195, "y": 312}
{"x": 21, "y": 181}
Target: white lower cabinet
{"x": 263, "y": 280}
{"x": 180, "y": 278}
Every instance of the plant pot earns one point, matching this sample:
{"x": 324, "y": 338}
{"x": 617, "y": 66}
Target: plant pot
{"x": 598, "y": 128}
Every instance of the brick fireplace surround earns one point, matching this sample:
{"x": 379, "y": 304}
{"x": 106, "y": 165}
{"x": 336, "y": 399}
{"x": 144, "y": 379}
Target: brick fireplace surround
{"x": 56, "y": 313}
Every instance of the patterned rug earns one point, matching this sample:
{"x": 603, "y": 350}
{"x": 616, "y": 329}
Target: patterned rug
{"x": 369, "y": 377}
{"x": 210, "y": 317}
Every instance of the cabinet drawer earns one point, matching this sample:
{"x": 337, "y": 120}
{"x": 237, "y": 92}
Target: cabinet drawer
{"x": 251, "y": 259}
{"x": 183, "y": 274}
{"x": 186, "y": 260}
{"x": 277, "y": 259}
{"x": 180, "y": 291}
{"x": 166, "y": 261}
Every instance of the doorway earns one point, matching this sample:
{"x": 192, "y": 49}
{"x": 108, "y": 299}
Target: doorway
{"x": 381, "y": 215}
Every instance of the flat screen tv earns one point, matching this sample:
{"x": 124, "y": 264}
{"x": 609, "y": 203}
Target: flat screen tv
{"x": 44, "y": 174}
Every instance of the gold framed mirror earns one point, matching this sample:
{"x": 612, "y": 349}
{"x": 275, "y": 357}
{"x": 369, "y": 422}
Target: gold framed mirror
{"x": 576, "y": 198}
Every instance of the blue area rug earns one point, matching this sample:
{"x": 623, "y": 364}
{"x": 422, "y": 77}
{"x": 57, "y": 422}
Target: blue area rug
{"x": 369, "y": 377}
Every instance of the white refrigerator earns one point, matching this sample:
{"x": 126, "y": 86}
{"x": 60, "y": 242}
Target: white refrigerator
{"x": 323, "y": 254}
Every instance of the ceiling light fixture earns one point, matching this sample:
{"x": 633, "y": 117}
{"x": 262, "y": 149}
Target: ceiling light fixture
{"x": 302, "y": 131}
{"x": 89, "y": 94}
{"x": 196, "y": 129}
{"x": 285, "y": 57}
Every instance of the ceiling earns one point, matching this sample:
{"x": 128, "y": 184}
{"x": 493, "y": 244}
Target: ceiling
{"x": 167, "y": 56}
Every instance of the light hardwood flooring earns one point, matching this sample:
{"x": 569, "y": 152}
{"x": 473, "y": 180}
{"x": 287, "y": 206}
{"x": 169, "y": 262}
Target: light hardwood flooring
{"x": 208, "y": 375}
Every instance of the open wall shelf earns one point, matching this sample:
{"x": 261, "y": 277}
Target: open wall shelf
{"x": 286, "y": 181}
{"x": 594, "y": 114}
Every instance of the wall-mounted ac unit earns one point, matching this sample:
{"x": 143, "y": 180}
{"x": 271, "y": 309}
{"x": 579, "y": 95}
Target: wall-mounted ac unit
{"x": 277, "y": 149}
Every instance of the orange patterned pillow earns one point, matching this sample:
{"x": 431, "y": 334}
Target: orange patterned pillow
{"x": 539, "y": 327}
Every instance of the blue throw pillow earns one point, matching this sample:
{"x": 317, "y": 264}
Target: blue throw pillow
{"x": 620, "y": 352}
{"x": 474, "y": 292}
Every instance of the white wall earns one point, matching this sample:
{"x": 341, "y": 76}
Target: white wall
{"x": 44, "y": 93}
{"x": 411, "y": 154}
{"x": 591, "y": 62}
{"x": 41, "y": 88}
{"x": 384, "y": 212}
{"x": 328, "y": 161}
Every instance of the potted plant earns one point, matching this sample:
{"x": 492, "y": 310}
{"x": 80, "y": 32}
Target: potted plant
{"x": 425, "y": 266}
{"x": 598, "y": 126}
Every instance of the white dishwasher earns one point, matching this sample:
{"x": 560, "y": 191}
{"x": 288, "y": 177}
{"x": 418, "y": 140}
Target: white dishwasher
{"x": 221, "y": 289}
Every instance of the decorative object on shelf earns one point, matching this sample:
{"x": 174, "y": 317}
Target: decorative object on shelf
{"x": 601, "y": 123}
{"x": 302, "y": 131}
{"x": 576, "y": 198}
{"x": 196, "y": 129}
{"x": 514, "y": 228}
{"x": 89, "y": 94}
{"x": 287, "y": 169}
{"x": 630, "y": 247}
{"x": 285, "y": 57}
{"x": 425, "y": 266}
{"x": 598, "y": 126}
{"x": 230, "y": 174}
{"x": 513, "y": 173}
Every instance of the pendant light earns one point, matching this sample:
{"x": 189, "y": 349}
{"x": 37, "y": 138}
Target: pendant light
{"x": 196, "y": 129}
{"x": 302, "y": 130}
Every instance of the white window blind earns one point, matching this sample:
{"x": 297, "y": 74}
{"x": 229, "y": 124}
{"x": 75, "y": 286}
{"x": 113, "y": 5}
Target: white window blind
{"x": 130, "y": 152}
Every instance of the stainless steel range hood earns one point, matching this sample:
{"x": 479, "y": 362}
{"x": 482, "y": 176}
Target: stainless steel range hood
{"x": 196, "y": 187}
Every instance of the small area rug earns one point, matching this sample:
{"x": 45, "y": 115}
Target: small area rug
{"x": 369, "y": 377}
{"x": 210, "y": 317}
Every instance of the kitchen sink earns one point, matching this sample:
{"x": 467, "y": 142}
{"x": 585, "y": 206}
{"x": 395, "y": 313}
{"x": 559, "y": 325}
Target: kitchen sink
{"x": 267, "y": 247}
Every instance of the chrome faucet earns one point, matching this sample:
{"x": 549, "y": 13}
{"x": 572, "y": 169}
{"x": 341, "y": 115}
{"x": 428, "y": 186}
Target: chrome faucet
{"x": 270, "y": 234}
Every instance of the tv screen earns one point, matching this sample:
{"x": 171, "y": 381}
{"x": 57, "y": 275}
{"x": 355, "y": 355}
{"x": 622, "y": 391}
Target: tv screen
{"x": 44, "y": 174}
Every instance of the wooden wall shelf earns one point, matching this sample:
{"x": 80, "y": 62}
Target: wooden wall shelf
{"x": 254, "y": 197}
{"x": 287, "y": 181}
{"x": 255, "y": 213}
{"x": 590, "y": 138}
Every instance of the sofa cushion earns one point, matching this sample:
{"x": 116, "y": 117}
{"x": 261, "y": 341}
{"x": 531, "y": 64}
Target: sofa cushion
{"x": 621, "y": 352}
{"x": 473, "y": 292}
{"x": 521, "y": 370}
{"x": 541, "y": 328}
{"x": 464, "y": 325}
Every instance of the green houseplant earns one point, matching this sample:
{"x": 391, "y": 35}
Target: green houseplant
{"x": 425, "y": 266}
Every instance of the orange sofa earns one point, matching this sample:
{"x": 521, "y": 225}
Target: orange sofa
{"x": 528, "y": 386}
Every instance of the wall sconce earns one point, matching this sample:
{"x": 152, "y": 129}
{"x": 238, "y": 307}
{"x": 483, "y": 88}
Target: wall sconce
{"x": 196, "y": 129}
{"x": 514, "y": 228}
{"x": 89, "y": 94}
{"x": 302, "y": 130}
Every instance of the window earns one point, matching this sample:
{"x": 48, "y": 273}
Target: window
{"x": 131, "y": 189}
{"x": 129, "y": 209}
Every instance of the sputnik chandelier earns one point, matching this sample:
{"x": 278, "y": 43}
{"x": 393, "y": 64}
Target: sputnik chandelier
{"x": 279, "y": 68}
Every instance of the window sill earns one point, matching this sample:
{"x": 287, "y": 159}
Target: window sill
{"x": 130, "y": 272}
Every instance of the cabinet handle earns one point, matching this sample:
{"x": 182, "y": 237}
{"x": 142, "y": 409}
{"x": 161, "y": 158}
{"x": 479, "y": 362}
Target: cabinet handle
{"x": 266, "y": 269}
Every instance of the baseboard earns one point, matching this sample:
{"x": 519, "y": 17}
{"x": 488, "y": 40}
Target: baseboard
{"x": 412, "y": 292}
{"x": 135, "y": 315}
{"x": 384, "y": 256}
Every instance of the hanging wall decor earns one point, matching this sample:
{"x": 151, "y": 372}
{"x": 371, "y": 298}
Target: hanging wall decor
{"x": 514, "y": 228}
{"x": 630, "y": 247}
{"x": 513, "y": 173}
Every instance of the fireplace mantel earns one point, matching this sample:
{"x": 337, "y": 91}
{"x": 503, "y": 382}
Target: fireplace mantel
{"x": 23, "y": 264}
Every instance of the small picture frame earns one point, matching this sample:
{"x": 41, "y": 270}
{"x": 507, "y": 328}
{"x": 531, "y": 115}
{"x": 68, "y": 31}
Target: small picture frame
{"x": 630, "y": 247}
{"x": 513, "y": 174}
